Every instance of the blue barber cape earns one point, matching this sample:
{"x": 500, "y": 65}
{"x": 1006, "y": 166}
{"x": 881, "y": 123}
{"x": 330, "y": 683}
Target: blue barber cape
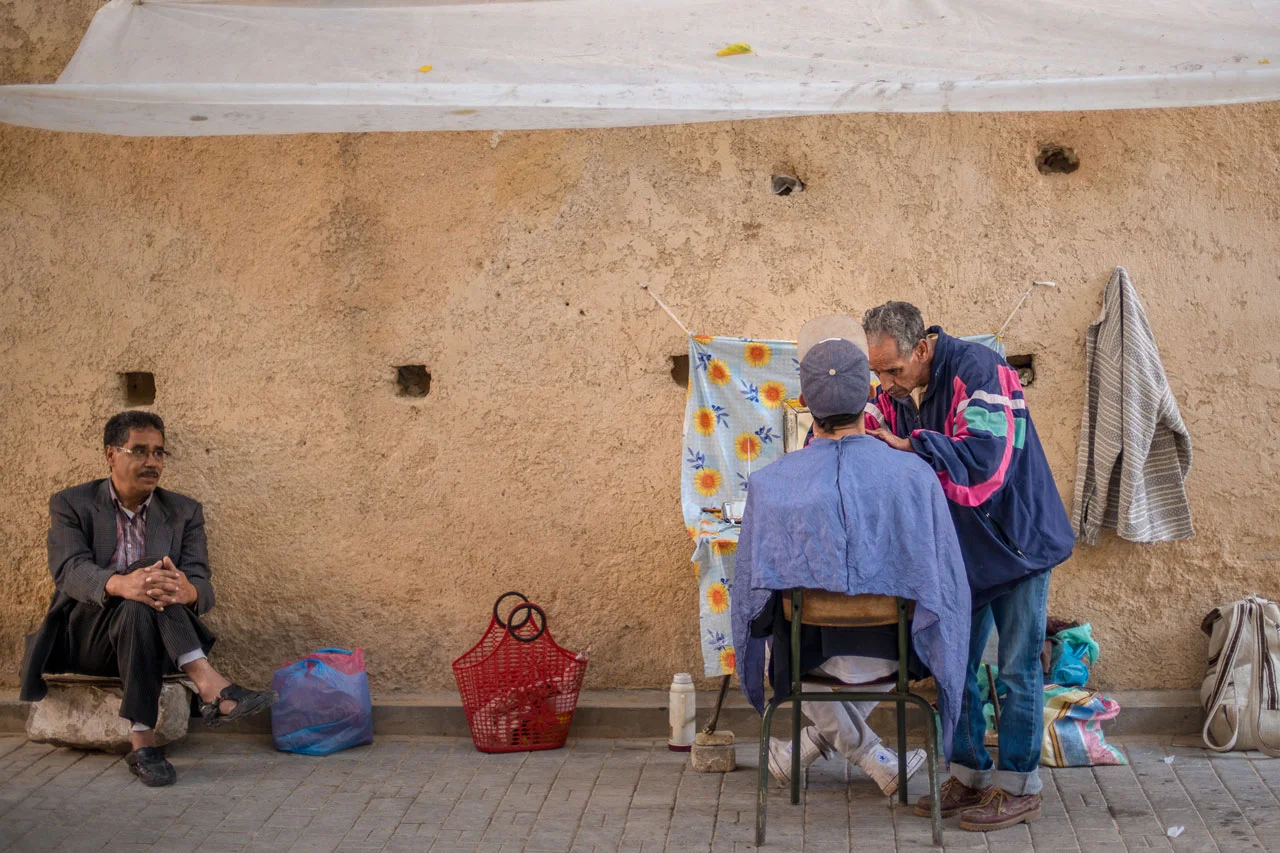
{"x": 855, "y": 516}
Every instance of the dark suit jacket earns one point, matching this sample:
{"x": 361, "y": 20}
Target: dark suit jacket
{"x": 82, "y": 538}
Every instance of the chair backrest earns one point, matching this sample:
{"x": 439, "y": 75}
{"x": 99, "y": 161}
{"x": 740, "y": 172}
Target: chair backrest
{"x": 834, "y": 610}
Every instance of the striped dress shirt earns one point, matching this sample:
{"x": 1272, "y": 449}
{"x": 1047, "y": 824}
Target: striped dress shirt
{"x": 131, "y": 532}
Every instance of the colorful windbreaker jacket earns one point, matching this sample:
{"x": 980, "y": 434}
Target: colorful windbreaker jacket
{"x": 973, "y": 427}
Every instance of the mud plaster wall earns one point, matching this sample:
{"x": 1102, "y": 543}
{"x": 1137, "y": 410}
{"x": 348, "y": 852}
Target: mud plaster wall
{"x": 272, "y": 284}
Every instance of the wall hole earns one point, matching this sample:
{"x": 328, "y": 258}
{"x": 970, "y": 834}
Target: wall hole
{"x": 413, "y": 380}
{"x": 680, "y": 369}
{"x": 1025, "y": 365}
{"x": 784, "y": 184}
{"x": 139, "y": 388}
{"x": 1057, "y": 160}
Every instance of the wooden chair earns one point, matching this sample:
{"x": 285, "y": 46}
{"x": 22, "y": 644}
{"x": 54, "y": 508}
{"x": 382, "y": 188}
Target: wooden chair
{"x": 833, "y": 610}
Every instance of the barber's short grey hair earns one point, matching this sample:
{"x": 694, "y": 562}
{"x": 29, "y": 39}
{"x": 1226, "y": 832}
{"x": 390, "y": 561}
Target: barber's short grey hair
{"x": 898, "y": 320}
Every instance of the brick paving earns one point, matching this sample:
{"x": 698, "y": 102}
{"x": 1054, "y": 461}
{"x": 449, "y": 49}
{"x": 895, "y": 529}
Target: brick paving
{"x": 238, "y": 794}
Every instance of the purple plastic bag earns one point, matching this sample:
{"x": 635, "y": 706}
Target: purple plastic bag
{"x": 324, "y": 703}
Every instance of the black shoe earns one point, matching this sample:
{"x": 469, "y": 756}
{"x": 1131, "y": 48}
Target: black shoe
{"x": 151, "y": 768}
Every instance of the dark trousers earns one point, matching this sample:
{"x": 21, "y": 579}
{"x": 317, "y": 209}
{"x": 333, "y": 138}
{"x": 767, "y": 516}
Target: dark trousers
{"x": 135, "y": 643}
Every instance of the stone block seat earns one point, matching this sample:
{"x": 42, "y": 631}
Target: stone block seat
{"x": 83, "y": 712}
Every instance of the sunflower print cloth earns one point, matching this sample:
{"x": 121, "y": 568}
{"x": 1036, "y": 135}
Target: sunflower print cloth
{"x": 738, "y": 389}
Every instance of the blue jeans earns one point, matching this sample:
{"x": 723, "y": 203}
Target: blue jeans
{"x": 1018, "y": 617}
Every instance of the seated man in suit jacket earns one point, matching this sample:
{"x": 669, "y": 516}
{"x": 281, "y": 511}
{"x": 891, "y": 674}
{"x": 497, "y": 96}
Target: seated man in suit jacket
{"x": 131, "y": 574}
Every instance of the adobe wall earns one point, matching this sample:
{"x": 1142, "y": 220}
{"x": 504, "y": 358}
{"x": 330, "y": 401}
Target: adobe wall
{"x": 272, "y": 284}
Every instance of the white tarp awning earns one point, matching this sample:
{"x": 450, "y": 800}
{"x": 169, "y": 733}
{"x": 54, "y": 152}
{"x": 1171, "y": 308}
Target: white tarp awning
{"x": 210, "y": 67}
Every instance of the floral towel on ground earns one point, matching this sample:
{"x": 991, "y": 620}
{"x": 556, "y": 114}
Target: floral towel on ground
{"x": 738, "y": 388}
{"x": 1073, "y": 728}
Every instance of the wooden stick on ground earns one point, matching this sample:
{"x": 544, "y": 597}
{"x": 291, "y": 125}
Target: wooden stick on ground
{"x": 715, "y": 715}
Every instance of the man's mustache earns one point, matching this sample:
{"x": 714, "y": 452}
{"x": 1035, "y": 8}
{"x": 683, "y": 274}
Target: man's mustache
{"x": 150, "y": 472}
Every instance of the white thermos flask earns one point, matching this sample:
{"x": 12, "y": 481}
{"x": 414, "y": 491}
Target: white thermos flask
{"x": 684, "y": 712}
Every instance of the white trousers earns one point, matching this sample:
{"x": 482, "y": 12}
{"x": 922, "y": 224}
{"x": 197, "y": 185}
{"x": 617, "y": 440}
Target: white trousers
{"x": 844, "y": 724}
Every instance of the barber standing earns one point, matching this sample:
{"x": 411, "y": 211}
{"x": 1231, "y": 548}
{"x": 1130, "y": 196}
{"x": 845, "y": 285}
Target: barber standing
{"x": 960, "y": 407}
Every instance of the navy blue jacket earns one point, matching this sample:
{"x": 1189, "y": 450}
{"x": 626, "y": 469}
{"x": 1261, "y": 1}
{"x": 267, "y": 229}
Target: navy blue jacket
{"x": 974, "y": 429}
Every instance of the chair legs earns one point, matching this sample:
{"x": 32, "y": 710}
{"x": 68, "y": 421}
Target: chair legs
{"x": 762, "y": 784}
{"x": 933, "y": 748}
{"x": 796, "y": 726}
{"x": 902, "y": 751}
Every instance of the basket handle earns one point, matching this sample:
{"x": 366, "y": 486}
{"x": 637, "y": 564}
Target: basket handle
{"x": 532, "y": 608}
{"x": 498, "y": 603}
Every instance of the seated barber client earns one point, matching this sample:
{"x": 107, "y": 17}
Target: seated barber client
{"x": 131, "y": 576}
{"x": 847, "y": 515}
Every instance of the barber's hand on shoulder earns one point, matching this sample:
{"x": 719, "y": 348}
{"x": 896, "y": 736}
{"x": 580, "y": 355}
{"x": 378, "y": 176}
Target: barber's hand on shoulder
{"x": 157, "y": 585}
{"x": 896, "y": 442}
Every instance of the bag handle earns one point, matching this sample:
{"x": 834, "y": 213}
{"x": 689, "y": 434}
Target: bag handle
{"x": 310, "y": 658}
{"x": 498, "y": 603}
{"x": 532, "y": 608}
{"x": 1226, "y": 664}
{"x": 1262, "y": 674}
{"x": 309, "y": 662}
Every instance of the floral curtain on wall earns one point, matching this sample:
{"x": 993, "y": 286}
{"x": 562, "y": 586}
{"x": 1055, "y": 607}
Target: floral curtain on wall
{"x": 738, "y": 389}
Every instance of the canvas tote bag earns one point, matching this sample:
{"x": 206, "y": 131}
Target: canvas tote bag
{"x": 1241, "y": 691}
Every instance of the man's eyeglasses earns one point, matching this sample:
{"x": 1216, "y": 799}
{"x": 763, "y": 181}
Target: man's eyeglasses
{"x": 141, "y": 453}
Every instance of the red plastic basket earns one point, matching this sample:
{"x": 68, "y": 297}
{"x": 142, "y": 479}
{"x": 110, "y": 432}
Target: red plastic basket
{"x": 519, "y": 687}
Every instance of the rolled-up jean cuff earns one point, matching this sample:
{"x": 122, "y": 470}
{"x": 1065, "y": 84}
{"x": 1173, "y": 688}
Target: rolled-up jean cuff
{"x": 1019, "y": 784}
{"x": 970, "y": 778}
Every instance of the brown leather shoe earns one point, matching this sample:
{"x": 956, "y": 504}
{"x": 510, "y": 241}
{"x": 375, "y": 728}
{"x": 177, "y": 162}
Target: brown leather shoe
{"x": 1000, "y": 810}
{"x": 955, "y": 796}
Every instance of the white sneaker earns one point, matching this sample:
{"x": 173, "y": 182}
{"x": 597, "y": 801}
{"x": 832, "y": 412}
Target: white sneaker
{"x": 881, "y": 764}
{"x": 812, "y": 745}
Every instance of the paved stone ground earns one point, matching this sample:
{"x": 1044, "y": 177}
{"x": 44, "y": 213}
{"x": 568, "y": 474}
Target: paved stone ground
{"x": 237, "y": 794}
